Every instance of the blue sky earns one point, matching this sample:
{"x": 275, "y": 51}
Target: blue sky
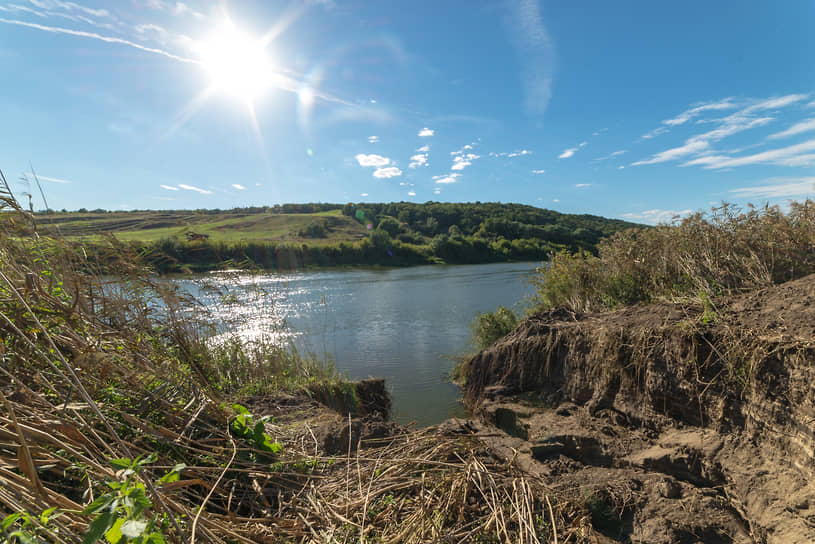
{"x": 635, "y": 109}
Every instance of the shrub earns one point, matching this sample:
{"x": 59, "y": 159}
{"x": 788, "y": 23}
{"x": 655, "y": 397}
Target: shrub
{"x": 488, "y": 327}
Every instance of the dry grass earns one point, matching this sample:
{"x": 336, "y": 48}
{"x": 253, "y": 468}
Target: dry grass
{"x": 701, "y": 257}
{"x": 94, "y": 369}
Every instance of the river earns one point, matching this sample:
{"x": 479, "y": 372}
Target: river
{"x": 404, "y": 324}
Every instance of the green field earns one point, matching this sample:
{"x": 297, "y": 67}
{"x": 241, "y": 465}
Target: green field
{"x": 151, "y": 226}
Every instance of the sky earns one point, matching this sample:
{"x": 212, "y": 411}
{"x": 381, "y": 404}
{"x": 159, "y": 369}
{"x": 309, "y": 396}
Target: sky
{"x": 638, "y": 110}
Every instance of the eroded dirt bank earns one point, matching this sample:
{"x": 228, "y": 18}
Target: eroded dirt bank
{"x": 673, "y": 423}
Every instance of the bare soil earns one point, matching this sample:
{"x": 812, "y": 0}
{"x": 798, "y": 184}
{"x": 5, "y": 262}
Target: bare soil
{"x": 670, "y": 422}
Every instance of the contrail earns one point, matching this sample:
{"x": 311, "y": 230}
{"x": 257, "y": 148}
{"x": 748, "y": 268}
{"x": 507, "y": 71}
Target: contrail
{"x": 108, "y": 39}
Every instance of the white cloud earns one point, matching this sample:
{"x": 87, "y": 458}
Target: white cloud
{"x": 53, "y": 180}
{"x": 654, "y": 133}
{"x": 450, "y": 178}
{"x": 411, "y": 193}
{"x": 568, "y": 153}
{"x": 776, "y": 102}
{"x": 463, "y": 160}
{"x": 621, "y": 167}
{"x": 169, "y": 187}
{"x": 555, "y": 200}
{"x": 583, "y": 144}
{"x": 537, "y": 171}
{"x": 363, "y": 194}
{"x": 373, "y": 139}
{"x": 424, "y": 149}
{"x": 95, "y": 36}
{"x": 520, "y": 153}
{"x": 599, "y": 132}
{"x": 578, "y": 185}
{"x": 687, "y": 115}
{"x": 468, "y": 146}
{"x": 372, "y": 160}
{"x": 778, "y": 187}
{"x": 418, "y": 160}
{"x": 612, "y": 155}
{"x": 656, "y": 216}
{"x": 425, "y": 132}
{"x": 238, "y": 186}
{"x": 390, "y": 172}
{"x": 798, "y": 128}
{"x": 794, "y": 155}
{"x": 194, "y": 188}
{"x": 436, "y": 191}
{"x": 691, "y": 146}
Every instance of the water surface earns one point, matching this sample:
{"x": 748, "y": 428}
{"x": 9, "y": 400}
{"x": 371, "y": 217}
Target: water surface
{"x": 402, "y": 324}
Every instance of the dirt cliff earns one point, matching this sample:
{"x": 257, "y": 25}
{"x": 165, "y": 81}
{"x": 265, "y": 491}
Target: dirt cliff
{"x": 672, "y": 422}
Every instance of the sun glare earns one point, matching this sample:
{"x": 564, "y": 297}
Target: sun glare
{"x": 237, "y": 63}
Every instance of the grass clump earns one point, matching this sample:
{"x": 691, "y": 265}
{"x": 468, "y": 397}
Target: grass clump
{"x": 706, "y": 255}
{"x": 487, "y": 327}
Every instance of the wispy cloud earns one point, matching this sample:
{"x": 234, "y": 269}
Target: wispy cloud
{"x": 568, "y": 153}
{"x": 654, "y": 133}
{"x": 778, "y": 187}
{"x": 194, "y": 188}
{"x": 580, "y": 185}
{"x": 424, "y": 149}
{"x": 449, "y": 178}
{"x": 95, "y": 36}
{"x": 372, "y": 160}
{"x": 411, "y": 193}
{"x": 53, "y": 180}
{"x": 599, "y": 132}
{"x": 390, "y": 172}
{"x": 169, "y": 187}
{"x": 373, "y": 139}
{"x": 696, "y": 110}
{"x": 691, "y": 146}
{"x": 509, "y": 154}
{"x": 656, "y": 216}
{"x": 536, "y": 49}
{"x": 363, "y": 194}
{"x": 794, "y": 155}
{"x": 537, "y": 171}
{"x": 426, "y": 132}
{"x": 238, "y": 186}
{"x": 612, "y": 155}
{"x": 798, "y": 128}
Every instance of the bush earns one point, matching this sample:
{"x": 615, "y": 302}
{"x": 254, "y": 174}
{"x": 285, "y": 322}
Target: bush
{"x": 488, "y": 327}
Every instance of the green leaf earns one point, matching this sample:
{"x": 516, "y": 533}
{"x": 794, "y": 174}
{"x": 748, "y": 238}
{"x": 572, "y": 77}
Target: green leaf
{"x": 241, "y": 410}
{"x": 133, "y": 528}
{"x": 9, "y": 520}
{"x": 173, "y": 475}
{"x": 45, "y": 517}
{"x": 154, "y": 538}
{"x": 121, "y": 463}
{"x": 99, "y": 504}
{"x": 98, "y": 527}
{"x": 114, "y": 534}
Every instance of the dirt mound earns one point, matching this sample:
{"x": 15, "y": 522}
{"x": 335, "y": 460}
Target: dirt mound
{"x": 679, "y": 423}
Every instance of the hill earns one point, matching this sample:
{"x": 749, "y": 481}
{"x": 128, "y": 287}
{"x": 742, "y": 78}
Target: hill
{"x": 302, "y": 235}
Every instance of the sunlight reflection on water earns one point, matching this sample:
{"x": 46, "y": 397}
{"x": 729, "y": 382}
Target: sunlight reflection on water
{"x": 405, "y": 325}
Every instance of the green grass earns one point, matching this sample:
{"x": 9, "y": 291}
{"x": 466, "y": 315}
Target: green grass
{"x": 151, "y": 226}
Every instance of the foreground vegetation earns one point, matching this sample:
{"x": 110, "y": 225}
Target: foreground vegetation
{"x": 121, "y": 423}
{"x": 305, "y": 235}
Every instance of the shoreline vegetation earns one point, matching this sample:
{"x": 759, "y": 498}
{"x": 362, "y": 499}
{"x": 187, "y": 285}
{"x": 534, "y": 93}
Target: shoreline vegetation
{"x": 297, "y": 236}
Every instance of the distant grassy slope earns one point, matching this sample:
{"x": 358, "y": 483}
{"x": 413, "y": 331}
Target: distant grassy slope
{"x": 298, "y": 235}
{"x": 151, "y": 226}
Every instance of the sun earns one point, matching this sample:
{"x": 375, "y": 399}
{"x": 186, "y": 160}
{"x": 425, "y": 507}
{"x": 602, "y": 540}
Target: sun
{"x": 237, "y": 63}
